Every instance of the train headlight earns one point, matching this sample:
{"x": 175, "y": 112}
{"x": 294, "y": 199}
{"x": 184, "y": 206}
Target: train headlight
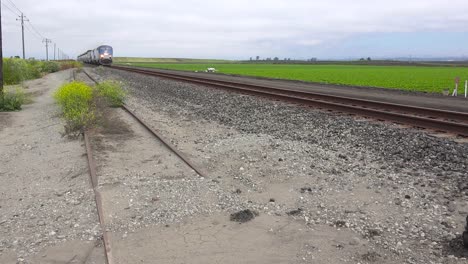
{"x": 102, "y": 55}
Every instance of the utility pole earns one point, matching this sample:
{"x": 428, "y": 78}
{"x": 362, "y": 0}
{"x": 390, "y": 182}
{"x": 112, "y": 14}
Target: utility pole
{"x": 22, "y": 31}
{"x": 1, "y": 56}
{"x": 47, "y": 41}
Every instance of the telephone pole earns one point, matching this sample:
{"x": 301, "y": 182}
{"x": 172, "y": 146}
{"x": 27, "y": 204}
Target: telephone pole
{"x": 22, "y": 31}
{"x": 47, "y": 41}
{"x": 1, "y": 56}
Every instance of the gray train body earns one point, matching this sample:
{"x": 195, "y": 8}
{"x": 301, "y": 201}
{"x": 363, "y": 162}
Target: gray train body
{"x": 101, "y": 55}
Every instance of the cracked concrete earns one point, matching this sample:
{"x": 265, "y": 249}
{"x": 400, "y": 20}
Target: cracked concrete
{"x": 267, "y": 239}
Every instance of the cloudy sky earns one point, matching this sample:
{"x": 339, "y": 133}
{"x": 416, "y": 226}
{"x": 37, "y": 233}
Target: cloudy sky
{"x": 331, "y": 29}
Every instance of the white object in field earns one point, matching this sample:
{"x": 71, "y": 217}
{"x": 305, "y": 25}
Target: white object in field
{"x": 210, "y": 70}
{"x": 457, "y": 81}
{"x": 466, "y": 87}
{"x": 455, "y": 91}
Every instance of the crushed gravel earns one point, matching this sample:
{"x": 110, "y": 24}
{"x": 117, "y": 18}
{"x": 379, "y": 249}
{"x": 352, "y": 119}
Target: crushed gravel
{"x": 402, "y": 190}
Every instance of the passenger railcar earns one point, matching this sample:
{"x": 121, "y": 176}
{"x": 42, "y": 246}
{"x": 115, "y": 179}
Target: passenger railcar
{"x": 101, "y": 55}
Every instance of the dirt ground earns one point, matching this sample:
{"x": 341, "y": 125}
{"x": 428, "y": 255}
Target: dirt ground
{"x": 47, "y": 212}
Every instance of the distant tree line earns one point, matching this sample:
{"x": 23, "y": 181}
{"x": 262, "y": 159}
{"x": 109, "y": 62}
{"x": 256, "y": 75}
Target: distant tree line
{"x": 276, "y": 59}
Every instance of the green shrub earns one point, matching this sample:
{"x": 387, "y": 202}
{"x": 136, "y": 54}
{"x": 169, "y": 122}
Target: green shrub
{"x": 34, "y": 69}
{"x": 15, "y": 71}
{"x": 113, "y": 92}
{"x": 75, "y": 100}
{"x": 13, "y": 99}
{"x": 50, "y": 66}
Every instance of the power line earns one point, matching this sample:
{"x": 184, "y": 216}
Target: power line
{"x": 32, "y": 26}
{"x": 29, "y": 26}
{"x": 11, "y": 10}
{"x": 33, "y": 32}
{"x": 13, "y": 4}
{"x": 19, "y": 13}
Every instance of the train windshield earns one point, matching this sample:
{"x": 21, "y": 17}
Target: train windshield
{"x": 105, "y": 49}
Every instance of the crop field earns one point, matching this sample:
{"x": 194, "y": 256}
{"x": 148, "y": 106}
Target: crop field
{"x": 411, "y": 78}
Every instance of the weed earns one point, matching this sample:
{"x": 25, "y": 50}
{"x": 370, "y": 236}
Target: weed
{"x": 70, "y": 64}
{"x": 16, "y": 71}
{"x": 50, "y": 66}
{"x": 75, "y": 100}
{"x": 113, "y": 92}
{"x": 13, "y": 99}
{"x": 35, "y": 69}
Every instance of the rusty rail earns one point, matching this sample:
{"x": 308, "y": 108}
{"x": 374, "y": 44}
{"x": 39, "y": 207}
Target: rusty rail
{"x": 436, "y": 119}
{"x": 166, "y": 143}
{"x": 97, "y": 199}
{"x": 97, "y": 195}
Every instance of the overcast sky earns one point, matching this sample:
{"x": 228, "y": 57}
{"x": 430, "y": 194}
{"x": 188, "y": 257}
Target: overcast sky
{"x": 334, "y": 29}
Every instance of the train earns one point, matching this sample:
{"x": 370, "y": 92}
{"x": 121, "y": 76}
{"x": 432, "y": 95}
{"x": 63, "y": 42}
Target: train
{"x": 101, "y": 55}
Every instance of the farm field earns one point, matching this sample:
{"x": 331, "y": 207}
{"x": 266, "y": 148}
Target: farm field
{"x": 410, "y": 78}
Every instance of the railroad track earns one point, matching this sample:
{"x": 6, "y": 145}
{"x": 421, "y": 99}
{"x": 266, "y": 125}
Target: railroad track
{"x": 421, "y": 117}
{"x": 94, "y": 177}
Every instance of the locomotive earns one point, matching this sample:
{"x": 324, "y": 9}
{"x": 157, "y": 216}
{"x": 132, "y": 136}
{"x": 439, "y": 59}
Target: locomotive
{"x": 101, "y": 55}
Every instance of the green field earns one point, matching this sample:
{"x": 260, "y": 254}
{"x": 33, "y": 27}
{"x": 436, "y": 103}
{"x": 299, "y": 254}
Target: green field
{"x": 412, "y": 78}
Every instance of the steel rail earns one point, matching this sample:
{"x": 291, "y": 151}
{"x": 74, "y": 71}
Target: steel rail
{"x": 97, "y": 198}
{"x": 440, "y": 120}
{"x": 159, "y": 136}
{"x": 166, "y": 143}
{"x": 97, "y": 195}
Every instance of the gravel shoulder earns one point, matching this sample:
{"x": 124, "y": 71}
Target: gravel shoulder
{"x": 47, "y": 211}
{"x": 368, "y": 192}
